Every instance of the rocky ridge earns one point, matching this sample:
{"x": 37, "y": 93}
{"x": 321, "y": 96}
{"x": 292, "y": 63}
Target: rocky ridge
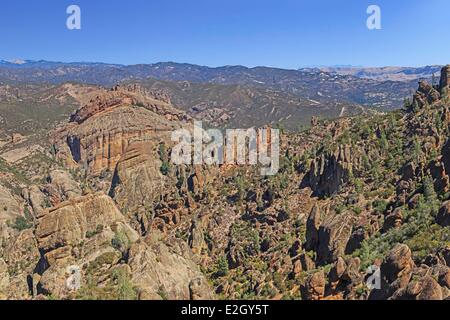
{"x": 351, "y": 194}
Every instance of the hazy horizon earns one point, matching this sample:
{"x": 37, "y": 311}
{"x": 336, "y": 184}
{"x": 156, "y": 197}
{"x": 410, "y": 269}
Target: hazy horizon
{"x": 20, "y": 61}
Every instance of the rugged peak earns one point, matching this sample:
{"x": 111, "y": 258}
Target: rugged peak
{"x": 159, "y": 95}
{"x": 129, "y": 95}
{"x": 425, "y": 94}
{"x": 424, "y": 86}
{"x": 429, "y": 94}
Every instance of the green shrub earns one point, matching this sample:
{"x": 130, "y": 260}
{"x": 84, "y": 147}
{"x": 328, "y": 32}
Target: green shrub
{"x": 164, "y": 157}
{"x": 98, "y": 230}
{"x": 380, "y": 205}
{"x": 165, "y": 168}
{"x": 120, "y": 241}
{"x": 222, "y": 268}
{"x": 125, "y": 289}
{"x": 21, "y": 224}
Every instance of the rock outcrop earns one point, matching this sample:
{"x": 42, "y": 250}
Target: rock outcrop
{"x": 76, "y": 233}
{"x": 62, "y": 187}
{"x": 443, "y": 216}
{"x": 167, "y": 272}
{"x": 329, "y": 172}
{"x": 445, "y": 79}
{"x": 73, "y": 221}
{"x": 100, "y": 132}
{"x": 333, "y": 237}
{"x": 396, "y": 272}
{"x": 312, "y": 229}
{"x": 314, "y": 288}
{"x": 138, "y": 180}
{"x": 426, "y": 94}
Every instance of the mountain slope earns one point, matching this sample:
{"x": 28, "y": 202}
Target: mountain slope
{"x": 243, "y": 106}
{"x": 316, "y": 85}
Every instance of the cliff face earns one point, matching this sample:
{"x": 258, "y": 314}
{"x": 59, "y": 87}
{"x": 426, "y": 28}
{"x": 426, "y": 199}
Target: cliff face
{"x": 330, "y": 171}
{"x": 138, "y": 180}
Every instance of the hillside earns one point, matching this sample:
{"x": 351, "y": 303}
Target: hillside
{"x": 240, "y": 106}
{"x": 351, "y": 193}
{"x": 312, "y": 84}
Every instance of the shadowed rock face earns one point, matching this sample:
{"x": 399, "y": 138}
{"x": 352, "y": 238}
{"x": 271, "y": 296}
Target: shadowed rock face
{"x": 443, "y": 217}
{"x": 329, "y": 172}
{"x": 333, "y": 237}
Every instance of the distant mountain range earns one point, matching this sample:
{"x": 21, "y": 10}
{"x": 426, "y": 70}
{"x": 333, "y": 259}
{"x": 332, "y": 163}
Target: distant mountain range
{"x": 336, "y": 85}
{"x": 383, "y": 73}
{"x": 242, "y": 106}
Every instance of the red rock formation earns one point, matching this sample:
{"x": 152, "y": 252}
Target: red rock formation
{"x": 100, "y": 132}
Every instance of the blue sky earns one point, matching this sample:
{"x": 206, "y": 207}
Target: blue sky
{"x": 281, "y": 33}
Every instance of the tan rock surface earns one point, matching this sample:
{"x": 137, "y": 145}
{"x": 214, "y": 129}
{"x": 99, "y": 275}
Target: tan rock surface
{"x": 167, "y": 271}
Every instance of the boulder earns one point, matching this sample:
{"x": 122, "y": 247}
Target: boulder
{"x": 199, "y": 289}
{"x": 314, "y": 288}
{"x": 396, "y": 272}
{"x": 337, "y": 271}
{"x": 393, "y": 220}
{"x": 425, "y": 288}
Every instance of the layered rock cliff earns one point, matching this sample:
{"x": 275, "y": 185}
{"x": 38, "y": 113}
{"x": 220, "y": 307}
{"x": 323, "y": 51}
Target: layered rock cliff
{"x": 100, "y": 132}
